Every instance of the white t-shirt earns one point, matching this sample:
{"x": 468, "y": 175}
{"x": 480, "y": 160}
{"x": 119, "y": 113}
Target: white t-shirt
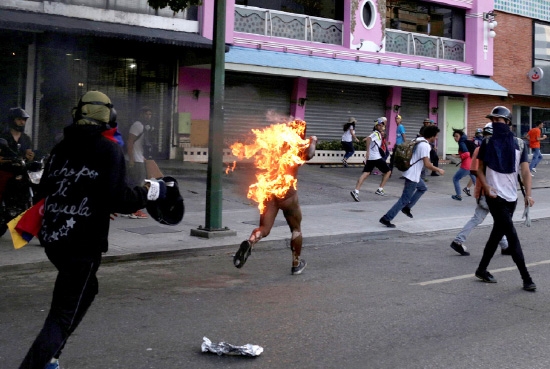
{"x": 376, "y": 142}
{"x": 347, "y": 136}
{"x": 422, "y": 150}
{"x": 137, "y": 129}
{"x": 506, "y": 184}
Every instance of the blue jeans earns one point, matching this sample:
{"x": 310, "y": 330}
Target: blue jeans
{"x": 348, "y": 147}
{"x": 537, "y": 157}
{"x": 412, "y": 192}
{"x": 461, "y": 173}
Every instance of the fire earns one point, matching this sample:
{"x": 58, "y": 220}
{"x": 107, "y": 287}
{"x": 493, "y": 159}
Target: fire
{"x": 276, "y": 151}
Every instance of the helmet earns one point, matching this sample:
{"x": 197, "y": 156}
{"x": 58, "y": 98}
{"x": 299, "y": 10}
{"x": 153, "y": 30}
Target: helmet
{"x": 169, "y": 210}
{"x": 18, "y": 113}
{"x": 95, "y": 108}
{"x": 500, "y": 112}
{"x": 479, "y": 130}
{"x": 488, "y": 129}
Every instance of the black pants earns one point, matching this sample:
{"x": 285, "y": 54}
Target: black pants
{"x": 502, "y": 212}
{"x": 75, "y": 289}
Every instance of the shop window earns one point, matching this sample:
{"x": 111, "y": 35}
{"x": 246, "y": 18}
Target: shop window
{"x": 541, "y": 44}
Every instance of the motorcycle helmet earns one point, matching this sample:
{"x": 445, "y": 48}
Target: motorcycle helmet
{"x": 169, "y": 210}
{"x": 500, "y": 112}
{"x": 95, "y": 108}
{"x": 488, "y": 129}
{"x": 15, "y": 113}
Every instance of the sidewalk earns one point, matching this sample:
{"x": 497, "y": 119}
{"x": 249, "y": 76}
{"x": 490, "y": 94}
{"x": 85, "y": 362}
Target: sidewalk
{"x": 330, "y": 216}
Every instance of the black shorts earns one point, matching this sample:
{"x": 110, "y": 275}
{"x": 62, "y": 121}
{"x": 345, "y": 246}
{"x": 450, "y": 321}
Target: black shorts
{"x": 378, "y": 163}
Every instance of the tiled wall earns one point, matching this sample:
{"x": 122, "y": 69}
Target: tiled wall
{"x": 537, "y": 9}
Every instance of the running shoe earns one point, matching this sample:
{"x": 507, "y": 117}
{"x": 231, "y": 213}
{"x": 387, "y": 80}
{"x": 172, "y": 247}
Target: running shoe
{"x": 461, "y": 249}
{"x": 466, "y": 190}
{"x": 485, "y": 276}
{"x": 242, "y": 254}
{"x": 380, "y": 192}
{"x": 529, "y": 285}
{"x": 456, "y": 197}
{"x": 407, "y": 211}
{"x": 53, "y": 365}
{"x": 138, "y": 215}
{"x": 387, "y": 223}
{"x": 355, "y": 195}
{"x": 298, "y": 269}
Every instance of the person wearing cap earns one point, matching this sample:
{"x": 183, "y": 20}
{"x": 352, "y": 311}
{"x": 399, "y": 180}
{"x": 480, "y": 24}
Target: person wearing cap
{"x": 138, "y": 150}
{"x": 348, "y": 138}
{"x": 84, "y": 182}
{"x": 374, "y": 159}
{"x": 481, "y": 210}
{"x": 535, "y": 136}
{"x": 501, "y": 159}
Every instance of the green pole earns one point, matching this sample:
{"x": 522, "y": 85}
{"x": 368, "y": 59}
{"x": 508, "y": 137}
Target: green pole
{"x": 215, "y": 138}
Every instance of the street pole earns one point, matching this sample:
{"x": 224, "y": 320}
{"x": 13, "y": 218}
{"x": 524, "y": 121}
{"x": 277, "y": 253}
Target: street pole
{"x": 213, "y": 216}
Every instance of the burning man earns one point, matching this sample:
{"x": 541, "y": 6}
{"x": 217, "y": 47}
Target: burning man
{"x": 281, "y": 148}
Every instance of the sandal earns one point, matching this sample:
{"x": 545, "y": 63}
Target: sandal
{"x": 242, "y": 254}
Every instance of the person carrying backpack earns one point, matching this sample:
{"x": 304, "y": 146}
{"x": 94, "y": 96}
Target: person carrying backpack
{"x": 466, "y": 160}
{"x": 414, "y": 185}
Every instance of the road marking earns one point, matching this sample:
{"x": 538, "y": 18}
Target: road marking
{"x": 444, "y": 280}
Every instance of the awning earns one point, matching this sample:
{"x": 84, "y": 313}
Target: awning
{"x": 40, "y": 22}
{"x": 296, "y": 65}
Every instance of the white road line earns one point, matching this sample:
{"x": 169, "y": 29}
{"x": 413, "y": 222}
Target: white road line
{"x": 443, "y": 280}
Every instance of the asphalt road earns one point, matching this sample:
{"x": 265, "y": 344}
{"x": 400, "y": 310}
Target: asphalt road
{"x": 385, "y": 302}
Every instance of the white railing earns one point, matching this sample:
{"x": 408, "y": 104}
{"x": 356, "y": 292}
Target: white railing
{"x": 423, "y": 45}
{"x": 131, "y": 6}
{"x": 273, "y": 23}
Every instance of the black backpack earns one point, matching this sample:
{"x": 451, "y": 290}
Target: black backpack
{"x": 471, "y": 145}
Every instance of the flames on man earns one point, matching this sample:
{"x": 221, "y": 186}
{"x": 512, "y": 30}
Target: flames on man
{"x": 277, "y": 150}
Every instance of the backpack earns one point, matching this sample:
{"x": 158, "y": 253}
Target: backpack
{"x": 471, "y": 145}
{"x": 403, "y": 154}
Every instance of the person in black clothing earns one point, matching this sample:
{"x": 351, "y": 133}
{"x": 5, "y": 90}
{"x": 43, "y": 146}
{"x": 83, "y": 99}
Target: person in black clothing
{"x": 84, "y": 182}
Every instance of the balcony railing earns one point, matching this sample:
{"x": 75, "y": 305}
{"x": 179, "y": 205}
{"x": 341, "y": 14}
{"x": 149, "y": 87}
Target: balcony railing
{"x": 273, "y": 23}
{"x": 424, "y": 45}
{"x": 131, "y": 6}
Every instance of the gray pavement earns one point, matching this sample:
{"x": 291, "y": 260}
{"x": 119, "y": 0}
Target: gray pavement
{"x": 330, "y": 216}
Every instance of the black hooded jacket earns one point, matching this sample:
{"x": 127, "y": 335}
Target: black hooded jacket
{"x": 83, "y": 183}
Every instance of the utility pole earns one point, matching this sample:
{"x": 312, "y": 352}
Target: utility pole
{"x": 213, "y": 218}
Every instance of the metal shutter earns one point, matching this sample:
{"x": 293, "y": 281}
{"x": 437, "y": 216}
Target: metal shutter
{"x": 330, "y": 104}
{"x": 414, "y": 109}
{"x": 248, "y": 100}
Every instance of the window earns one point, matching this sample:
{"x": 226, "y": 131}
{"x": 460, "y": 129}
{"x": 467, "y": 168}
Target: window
{"x": 426, "y": 18}
{"x": 368, "y": 14}
{"x": 541, "y": 52}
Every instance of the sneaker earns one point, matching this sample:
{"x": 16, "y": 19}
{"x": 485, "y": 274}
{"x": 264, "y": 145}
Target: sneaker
{"x": 485, "y": 276}
{"x": 53, "y": 365}
{"x": 457, "y": 198}
{"x": 506, "y": 251}
{"x": 387, "y": 223}
{"x": 407, "y": 211}
{"x": 380, "y": 192}
{"x": 355, "y": 195}
{"x": 529, "y": 285}
{"x": 466, "y": 190}
{"x": 295, "y": 270}
{"x": 532, "y": 175}
{"x": 425, "y": 179}
{"x": 461, "y": 249}
{"x": 533, "y": 170}
{"x": 345, "y": 162}
{"x": 435, "y": 174}
{"x": 244, "y": 251}
{"x": 138, "y": 215}
{"x": 124, "y": 215}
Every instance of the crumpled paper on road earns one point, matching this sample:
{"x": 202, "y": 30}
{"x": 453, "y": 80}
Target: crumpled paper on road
{"x": 228, "y": 349}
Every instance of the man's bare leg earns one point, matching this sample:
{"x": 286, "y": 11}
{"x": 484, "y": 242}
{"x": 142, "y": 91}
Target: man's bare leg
{"x": 293, "y": 215}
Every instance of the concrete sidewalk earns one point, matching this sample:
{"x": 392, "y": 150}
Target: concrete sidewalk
{"x": 330, "y": 216}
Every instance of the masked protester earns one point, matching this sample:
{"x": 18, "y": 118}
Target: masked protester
{"x": 84, "y": 182}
